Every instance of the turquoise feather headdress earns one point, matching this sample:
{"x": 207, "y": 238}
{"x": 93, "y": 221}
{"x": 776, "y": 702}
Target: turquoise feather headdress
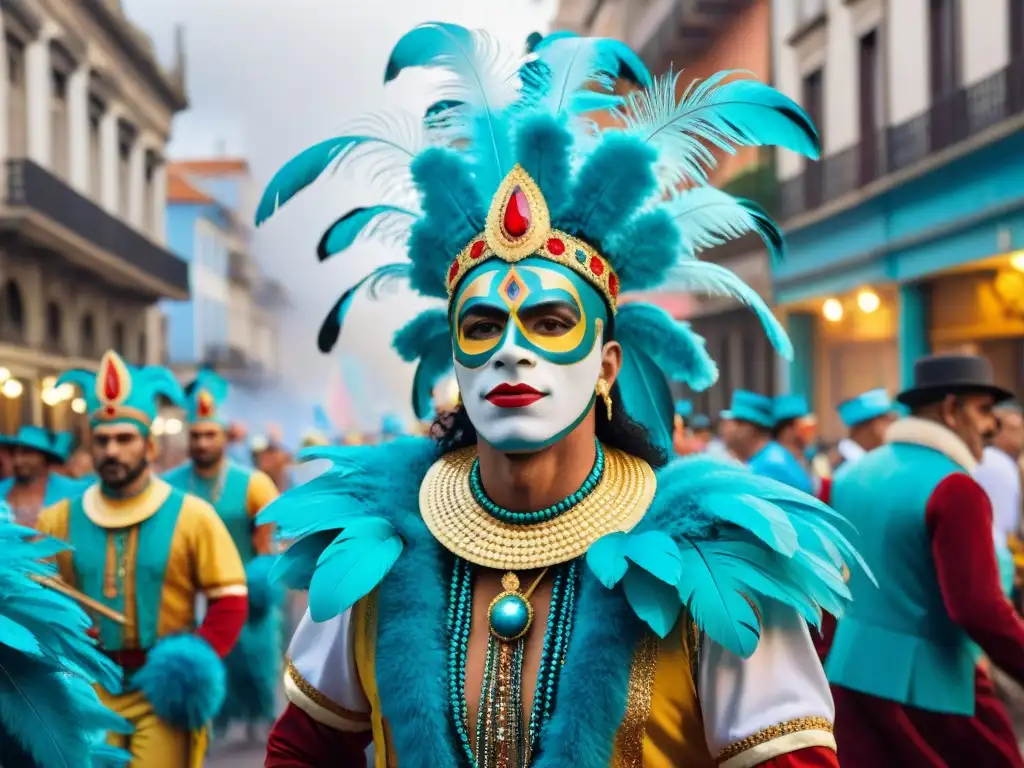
{"x": 627, "y": 209}
{"x": 48, "y": 662}
{"x": 206, "y": 396}
{"x": 119, "y": 392}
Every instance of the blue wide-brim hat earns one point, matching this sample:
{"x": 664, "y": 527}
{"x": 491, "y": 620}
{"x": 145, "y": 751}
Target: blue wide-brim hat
{"x": 752, "y": 407}
{"x": 865, "y": 406}
{"x": 38, "y": 439}
{"x": 787, "y": 407}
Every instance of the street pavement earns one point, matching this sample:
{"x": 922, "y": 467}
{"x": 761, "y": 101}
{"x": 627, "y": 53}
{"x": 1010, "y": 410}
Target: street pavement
{"x": 236, "y": 753}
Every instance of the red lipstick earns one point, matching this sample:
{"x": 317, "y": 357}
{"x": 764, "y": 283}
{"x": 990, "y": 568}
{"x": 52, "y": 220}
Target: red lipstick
{"x": 513, "y": 395}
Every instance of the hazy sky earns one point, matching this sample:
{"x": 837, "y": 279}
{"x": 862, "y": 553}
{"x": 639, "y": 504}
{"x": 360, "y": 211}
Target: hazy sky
{"x": 268, "y": 78}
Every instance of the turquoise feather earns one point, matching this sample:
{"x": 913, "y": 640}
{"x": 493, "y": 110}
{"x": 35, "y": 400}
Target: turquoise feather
{"x": 708, "y": 217}
{"x": 678, "y": 352}
{"x": 352, "y": 565}
{"x": 568, "y": 65}
{"x": 653, "y": 601}
{"x": 359, "y": 221}
{"x": 646, "y": 396}
{"x": 426, "y": 340}
{"x": 330, "y": 328}
{"x": 424, "y": 45}
{"x": 607, "y": 54}
{"x": 48, "y": 663}
{"x": 771, "y": 525}
{"x": 656, "y": 553}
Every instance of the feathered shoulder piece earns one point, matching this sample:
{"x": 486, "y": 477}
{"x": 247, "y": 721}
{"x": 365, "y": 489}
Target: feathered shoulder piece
{"x": 510, "y": 164}
{"x": 48, "y": 708}
{"x": 718, "y": 541}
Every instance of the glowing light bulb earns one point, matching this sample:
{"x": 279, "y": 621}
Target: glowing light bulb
{"x": 172, "y": 426}
{"x": 832, "y": 309}
{"x": 50, "y": 396}
{"x": 66, "y": 391}
{"x": 12, "y": 388}
{"x": 868, "y": 301}
{"x": 1017, "y": 260}
{"x": 78, "y": 405}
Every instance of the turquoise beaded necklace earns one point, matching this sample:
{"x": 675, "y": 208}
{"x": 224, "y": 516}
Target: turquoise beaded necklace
{"x": 501, "y": 740}
{"x": 543, "y": 515}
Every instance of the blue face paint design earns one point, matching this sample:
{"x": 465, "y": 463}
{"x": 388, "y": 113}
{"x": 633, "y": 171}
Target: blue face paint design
{"x": 506, "y": 293}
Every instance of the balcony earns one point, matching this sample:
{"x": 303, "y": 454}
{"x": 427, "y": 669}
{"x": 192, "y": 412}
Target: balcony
{"x": 962, "y": 115}
{"x": 44, "y": 209}
{"x": 241, "y": 269}
{"x": 677, "y": 31}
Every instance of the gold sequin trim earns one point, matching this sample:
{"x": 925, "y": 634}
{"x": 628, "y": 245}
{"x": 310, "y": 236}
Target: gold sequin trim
{"x": 306, "y": 689}
{"x": 775, "y": 732}
{"x": 466, "y": 529}
{"x": 629, "y": 741}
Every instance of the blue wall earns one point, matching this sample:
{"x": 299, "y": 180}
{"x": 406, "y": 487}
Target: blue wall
{"x": 948, "y": 217}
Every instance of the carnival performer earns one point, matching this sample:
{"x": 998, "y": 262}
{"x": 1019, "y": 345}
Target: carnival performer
{"x": 749, "y": 439}
{"x": 683, "y": 442}
{"x": 36, "y": 452}
{"x": 145, "y": 551}
{"x": 866, "y": 417}
{"x": 903, "y": 666}
{"x": 237, "y": 493}
{"x": 49, "y": 712}
{"x": 540, "y": 587}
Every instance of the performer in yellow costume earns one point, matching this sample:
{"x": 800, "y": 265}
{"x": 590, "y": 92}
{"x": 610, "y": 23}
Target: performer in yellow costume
{"x": 238, "y": 493}
{"x": 147, "y": 550}
{"x": 540, "y": 586}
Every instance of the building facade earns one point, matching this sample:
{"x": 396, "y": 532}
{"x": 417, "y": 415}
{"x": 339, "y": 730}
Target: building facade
{"x": 908, "y": 236}
{"x": 230, "y": 323}
{"x": 701, "y": 39}
{"x": 85, "y": 114}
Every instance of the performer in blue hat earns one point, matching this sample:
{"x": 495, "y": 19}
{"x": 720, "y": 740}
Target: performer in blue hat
{"x": 36, "y": 452}
{"x": 904, "y": 661}
{"x": 753, "y": 418}
{"x": 541, "y": 586}
{"x": 866, "y": 417}
{"x": 147, "y": 551}
{"x": 238, "y": 493}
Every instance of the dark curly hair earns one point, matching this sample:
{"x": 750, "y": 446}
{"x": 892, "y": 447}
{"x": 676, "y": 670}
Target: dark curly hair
{"x": 453, "y": 430}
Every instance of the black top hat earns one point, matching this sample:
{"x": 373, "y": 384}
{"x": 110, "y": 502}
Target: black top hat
{"x": 940, "y": 375}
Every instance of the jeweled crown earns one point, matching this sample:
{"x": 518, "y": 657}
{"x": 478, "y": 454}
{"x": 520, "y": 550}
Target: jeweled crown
{"x": 519, "y": 226}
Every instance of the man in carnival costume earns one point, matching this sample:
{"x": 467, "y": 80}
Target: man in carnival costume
{"x": 238, "y": 493}
{"x": 539, "y": 587}
{"x": 794, "y": 428}
{"x": 904, "y": 669}
{"x": 49, "y": 712}
{"x": 749, "y": 439}
{"x": 36, "y": 452}
{"x": 145, "y": 551}
{"x": 866, "y": 417}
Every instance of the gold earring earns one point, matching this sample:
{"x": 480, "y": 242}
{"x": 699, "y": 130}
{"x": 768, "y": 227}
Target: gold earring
{"x": 604, "y": 394}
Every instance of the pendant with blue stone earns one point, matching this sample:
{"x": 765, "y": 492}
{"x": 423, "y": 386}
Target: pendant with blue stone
{"x": 510, "y": 613}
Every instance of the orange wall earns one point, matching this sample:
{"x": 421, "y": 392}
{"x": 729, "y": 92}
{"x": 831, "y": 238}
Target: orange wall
{"x": 743, "y": 43}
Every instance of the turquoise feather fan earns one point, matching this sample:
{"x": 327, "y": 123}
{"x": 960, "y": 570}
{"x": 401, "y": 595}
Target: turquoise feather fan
{"x": 48, "y": 708}
{"x": 616, "y": 190}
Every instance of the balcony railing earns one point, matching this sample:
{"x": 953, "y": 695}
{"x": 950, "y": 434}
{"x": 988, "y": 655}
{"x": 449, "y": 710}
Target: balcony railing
{"x": 240, "y": 268}
{"x": 32, "y": 186}
{"x": 950, "y": 120}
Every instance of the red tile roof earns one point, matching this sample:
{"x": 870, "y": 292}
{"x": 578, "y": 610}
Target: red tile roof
{"x": 179, "y": 190}
{"x": 211, "y": 166}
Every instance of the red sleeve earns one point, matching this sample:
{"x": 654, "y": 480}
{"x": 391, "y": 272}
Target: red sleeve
{"x": 959, "y": 520}
{"x": 811, "y": 757}
{"x": 825, "y": 491}
{"x": 822, "y": 638}
{"x": 299, "y": 741}
{"x": 224, "y": 620}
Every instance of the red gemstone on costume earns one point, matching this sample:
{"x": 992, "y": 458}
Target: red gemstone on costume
{"x": 596, "y": 266}
{"x": 205, "y": 404}
{"x": 111, "y": 382}
{"x": 453, "y": 270}
{"x": 517, "y": 214}
{"x": 556, "y": 247}
{"x": 613, "y": 285}
{"x": 477, "y": 250}
{"x": 111, "y": 410}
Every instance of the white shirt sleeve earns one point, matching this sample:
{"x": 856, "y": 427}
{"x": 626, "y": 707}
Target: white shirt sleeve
{"x": 998, "y": 475}
{"x": 321, "y": 677}
{"x": 777, "y": 701}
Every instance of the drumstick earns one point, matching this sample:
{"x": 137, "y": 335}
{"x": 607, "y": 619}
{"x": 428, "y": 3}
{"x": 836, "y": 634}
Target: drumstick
{"x": 68, "y": 591}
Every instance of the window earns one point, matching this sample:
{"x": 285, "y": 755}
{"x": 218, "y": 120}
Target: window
{"x": 813, "y": 102}
{"x": 14, "y": 310}
{"x": 96, "y": 110}
{"x": 870, "y": 98}
{"x": 87, "y": 335}
{"x": 17, "y": 110}
{"x": 1016, "y": 29}
{"x": 118, "y": 338}
{"x": 944, "y": 49}
{"x": 59, "y": 149}
{"x": 54, "y": 327}
{"x": 126, "y": 142}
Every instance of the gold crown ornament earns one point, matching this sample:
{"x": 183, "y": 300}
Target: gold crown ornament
{"x": 519, "y": 226}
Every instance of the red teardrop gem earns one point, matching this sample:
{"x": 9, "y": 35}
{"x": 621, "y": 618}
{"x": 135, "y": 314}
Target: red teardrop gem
{"x": 596, "y": 266}
{"x": 111, "y": 410}
{"x": 477, "y": 250}
{"x": 453, "y": 270}
{"x": 556, "y": 247}
{"x": 517, "y": 214}
{"x": 613, "y": 285}
{"x": 111, "y": 382}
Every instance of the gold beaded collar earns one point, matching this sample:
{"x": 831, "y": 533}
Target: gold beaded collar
{"x": 465, "y": 529}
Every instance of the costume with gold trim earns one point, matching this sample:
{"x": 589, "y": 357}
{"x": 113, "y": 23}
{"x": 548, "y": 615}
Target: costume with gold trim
{"x": 148, "y": 557}
{"x": 238, "y": 493}
{"x": 676, "y": 631}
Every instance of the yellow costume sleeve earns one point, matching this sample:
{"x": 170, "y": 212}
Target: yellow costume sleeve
{"x": 53, "y": 521}
{"x": 215, "y": 560}
{"x": 261, "y": 492}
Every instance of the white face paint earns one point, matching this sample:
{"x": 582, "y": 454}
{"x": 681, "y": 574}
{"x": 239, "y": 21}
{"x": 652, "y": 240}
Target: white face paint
{"x": 522, "y": 422}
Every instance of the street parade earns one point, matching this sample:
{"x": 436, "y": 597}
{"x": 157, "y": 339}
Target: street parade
{"x": 609, "y": 412}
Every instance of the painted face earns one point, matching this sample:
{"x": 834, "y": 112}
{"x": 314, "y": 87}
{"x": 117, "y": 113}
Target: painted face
{"x": 528, "y": 348}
